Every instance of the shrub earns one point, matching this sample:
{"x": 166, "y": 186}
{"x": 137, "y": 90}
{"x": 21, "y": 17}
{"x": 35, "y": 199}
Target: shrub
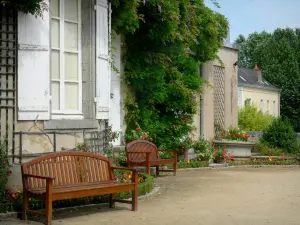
{"x": 252, "y": 119}
{"x": 121, "y": 160}
{"x": 264, "y": 150}
{"x": 202, "y": 149}
{"x": 280, "y": 134}
{"x": 4, "y": 173}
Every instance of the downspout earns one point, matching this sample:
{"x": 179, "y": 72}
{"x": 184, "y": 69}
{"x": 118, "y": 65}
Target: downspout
{"x": 201, "y": 104}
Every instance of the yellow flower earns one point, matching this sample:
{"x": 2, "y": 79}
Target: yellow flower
{"x": 19, "y": 191}
{"x": 188, "y": 161}
{"x": 270, "y": 159}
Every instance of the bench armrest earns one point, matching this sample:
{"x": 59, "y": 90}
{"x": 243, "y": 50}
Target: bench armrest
{"x": 39, "y": 177}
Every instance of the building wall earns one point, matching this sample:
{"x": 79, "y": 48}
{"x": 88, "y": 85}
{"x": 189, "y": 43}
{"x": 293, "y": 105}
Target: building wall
{"x": 228, "y": 57}
{"x": 260, "y": 97}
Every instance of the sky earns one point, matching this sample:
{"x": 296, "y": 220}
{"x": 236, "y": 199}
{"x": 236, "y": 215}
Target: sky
{"x": 248, "y": 16}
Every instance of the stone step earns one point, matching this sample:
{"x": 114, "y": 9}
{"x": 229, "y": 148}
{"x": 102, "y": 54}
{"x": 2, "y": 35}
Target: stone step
{"x": 255, "y": 154}
{"x": 218, "y": 165}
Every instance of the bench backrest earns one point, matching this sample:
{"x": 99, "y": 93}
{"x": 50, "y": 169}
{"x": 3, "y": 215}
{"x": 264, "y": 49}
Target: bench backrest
{"x": 68, "y": 168}
{"x": 142, "y": 146}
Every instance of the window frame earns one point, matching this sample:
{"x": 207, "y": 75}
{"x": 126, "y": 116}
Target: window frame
{"x": 62, "y": 113}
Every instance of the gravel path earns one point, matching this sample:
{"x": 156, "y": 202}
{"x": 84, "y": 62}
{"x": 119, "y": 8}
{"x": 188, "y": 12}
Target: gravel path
{"x": 236, "y": 196}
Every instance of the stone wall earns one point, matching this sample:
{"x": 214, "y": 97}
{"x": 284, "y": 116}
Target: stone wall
{"x": 255, "y": 135}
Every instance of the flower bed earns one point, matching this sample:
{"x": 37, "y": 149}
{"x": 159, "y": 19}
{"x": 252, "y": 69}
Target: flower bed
{"x": 264, "y": 161}
{"x": 146, "y": 185}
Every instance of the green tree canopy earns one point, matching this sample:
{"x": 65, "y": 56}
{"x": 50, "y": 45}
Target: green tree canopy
{"x": 277, "y": 54}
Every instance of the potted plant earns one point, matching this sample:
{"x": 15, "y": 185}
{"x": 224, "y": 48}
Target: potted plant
{"x": 236, "y": 142}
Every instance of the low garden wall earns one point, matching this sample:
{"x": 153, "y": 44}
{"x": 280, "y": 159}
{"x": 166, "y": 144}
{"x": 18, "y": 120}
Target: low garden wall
{"x": 255, "y": 135}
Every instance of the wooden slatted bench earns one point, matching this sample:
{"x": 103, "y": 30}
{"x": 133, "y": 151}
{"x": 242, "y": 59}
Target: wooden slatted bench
{"x": 145, "y": 153}
{"x": 66, "y": 175}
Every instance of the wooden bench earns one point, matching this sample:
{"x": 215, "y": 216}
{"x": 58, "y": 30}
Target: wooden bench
{"x": 66, "y": 175}
{"x": 145, "y": 153}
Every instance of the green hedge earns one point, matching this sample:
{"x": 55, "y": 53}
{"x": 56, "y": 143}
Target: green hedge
{"x": 143, "y": 188}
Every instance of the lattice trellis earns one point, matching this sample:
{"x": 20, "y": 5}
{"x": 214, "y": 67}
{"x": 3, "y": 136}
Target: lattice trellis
{"x": 219, "y": 96}
{"x": 8, "y": 73}
{"x": 233, "y": 91}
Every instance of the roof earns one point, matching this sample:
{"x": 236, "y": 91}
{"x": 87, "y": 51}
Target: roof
{"x": 248, "y": 77}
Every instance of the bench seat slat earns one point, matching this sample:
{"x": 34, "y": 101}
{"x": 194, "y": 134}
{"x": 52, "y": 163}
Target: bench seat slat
{"x": 87, "y": 186}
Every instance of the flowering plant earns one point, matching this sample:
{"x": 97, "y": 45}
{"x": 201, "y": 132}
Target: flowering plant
{"x": 221, "y": 153}
{"x": 126, "y": 177}
{"x": 235, "y": 134}
{"x": 137, "y": 134}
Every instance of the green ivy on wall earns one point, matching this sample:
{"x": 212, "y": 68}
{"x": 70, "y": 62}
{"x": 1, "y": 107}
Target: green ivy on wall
{"x": 165, "y": 42}
{"x": 34, "y": 7}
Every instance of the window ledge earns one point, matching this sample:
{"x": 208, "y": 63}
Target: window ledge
{"x": 71, "y": 124}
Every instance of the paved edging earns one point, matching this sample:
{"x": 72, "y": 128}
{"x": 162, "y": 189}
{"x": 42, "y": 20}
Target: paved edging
{"x": 228, "y": 167}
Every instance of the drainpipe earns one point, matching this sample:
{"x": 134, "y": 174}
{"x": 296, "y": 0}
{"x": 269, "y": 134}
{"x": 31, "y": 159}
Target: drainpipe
{"x": 201, "y": 105}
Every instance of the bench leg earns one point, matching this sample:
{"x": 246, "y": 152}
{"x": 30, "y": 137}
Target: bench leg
{"x": 175, "y": 168}
{"x": 48, "y": 212}
{"x": 112, "y": 203}
{"x": 134, "y": 200}
{"x": 157, "y": 171}
{"x": 25, "y": 205}
{"x": 148, "y": 169}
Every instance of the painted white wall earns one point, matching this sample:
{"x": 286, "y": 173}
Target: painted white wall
{"x": 115, "y": 116}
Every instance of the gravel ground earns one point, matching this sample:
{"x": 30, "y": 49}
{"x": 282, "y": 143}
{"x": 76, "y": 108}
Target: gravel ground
{"x": 235, "y": 196}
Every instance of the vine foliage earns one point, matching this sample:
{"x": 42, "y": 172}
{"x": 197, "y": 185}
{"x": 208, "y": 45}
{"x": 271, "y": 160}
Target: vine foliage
{"x": 34, "y": 7}
{"x": 165, "y": 43}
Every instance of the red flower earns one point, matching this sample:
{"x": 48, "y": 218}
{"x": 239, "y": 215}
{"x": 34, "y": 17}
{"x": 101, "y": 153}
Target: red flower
{"x": 246, "y": 136}
{"x": 224, "y": 154}
{"x": 137, "y": 129}
{"x": 9, "y": 173}
{"x": 223, "y": 135}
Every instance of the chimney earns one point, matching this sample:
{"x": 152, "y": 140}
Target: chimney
{"x": 258, "y": 71}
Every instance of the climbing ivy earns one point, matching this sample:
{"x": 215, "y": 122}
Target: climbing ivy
{"x": 165, "y": 43}
{"x": 34, "y": 7}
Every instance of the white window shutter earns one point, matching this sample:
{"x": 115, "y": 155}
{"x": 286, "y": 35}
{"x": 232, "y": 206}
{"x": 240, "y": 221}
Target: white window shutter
{"x": 102, "y": 62}
{"x": 33, "y": 67}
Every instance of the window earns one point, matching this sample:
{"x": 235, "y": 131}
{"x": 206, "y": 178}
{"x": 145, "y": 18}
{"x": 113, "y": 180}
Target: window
{"x": 66, "y": 74}
{"x": 268, "y": 106}
{"x": 261, "y": 106}
{"x": 274, "y": 108}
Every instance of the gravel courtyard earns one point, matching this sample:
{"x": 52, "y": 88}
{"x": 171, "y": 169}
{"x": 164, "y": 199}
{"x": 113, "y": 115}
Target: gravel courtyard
{"x": 236, "y": 196}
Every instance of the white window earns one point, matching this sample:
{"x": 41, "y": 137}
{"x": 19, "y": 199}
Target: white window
{"x": 66, "y": 73}
{"x": 268, "y": 106}
{"x": 261, "y": 106}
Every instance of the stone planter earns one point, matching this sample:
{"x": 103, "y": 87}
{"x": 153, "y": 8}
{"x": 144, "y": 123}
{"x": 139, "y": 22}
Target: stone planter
{"x": 237, "y": 148}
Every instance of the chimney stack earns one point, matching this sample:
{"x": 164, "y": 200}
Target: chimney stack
{"x": 258, "y": 71}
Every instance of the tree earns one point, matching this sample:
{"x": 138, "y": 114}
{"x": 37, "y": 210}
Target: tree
{"x": 277, "y": 54}
{"x": 165, "y": 42}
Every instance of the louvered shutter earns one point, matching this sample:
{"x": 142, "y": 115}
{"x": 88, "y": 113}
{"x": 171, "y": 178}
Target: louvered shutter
{"x": 33, "y": 67}
{"x": 102, "y": 61}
